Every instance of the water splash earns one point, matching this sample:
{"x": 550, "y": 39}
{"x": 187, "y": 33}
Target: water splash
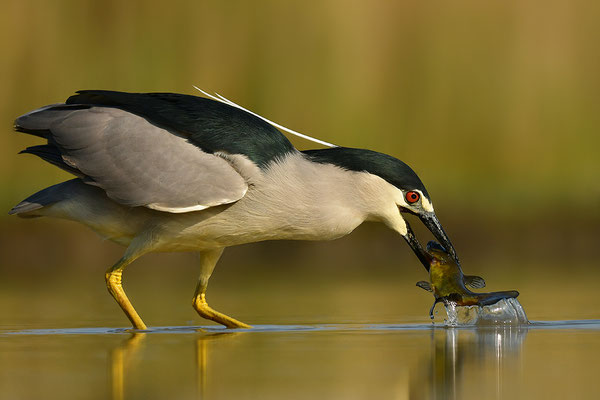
{"x": 504, "y": 312}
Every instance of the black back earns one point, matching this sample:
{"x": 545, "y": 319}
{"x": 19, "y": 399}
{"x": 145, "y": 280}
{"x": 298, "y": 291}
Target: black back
{"x": 211, "y": 125}
{"x": 387, "y": 167}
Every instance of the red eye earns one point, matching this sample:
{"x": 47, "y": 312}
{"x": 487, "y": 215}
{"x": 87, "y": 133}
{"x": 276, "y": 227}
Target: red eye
{"x": 412, "y": 197}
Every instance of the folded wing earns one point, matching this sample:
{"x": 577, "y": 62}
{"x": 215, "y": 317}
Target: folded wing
{"x": 136, "y": 162}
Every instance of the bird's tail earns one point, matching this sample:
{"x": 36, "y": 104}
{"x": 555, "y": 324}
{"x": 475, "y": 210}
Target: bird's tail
{"x": 32, "y": 206}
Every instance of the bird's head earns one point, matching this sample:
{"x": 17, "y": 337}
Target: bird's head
{"x": 412, "y": 198}
{"x": 406, "y": 189}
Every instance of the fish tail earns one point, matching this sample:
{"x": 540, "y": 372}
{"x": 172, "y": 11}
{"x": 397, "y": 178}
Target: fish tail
{"x": 486, "y": 299}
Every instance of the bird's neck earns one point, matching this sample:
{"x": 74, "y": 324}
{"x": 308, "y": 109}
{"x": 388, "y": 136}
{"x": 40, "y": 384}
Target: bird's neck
{"x": 317, "y": 200}
{"x": 298, "y": 199}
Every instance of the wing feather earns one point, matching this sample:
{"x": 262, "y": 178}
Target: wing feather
{"x": 137, "y": 163}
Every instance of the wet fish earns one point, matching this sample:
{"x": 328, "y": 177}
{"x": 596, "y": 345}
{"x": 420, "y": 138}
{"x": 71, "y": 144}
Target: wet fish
{"x": 448, "y": 282}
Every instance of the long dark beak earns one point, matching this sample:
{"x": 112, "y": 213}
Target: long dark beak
{"x": 414, "y": 244}
{"x": 433, "y": 224}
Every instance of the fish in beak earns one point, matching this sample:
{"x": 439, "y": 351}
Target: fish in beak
{"x": 432, "y": 223}
{"x": 448, "y": 282}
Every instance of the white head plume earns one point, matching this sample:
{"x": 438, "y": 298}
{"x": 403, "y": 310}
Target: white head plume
{"x": 224, "y": 100}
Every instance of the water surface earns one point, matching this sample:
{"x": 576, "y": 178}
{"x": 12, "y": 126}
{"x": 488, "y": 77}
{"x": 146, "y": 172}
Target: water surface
{"x": 349, "y": 361}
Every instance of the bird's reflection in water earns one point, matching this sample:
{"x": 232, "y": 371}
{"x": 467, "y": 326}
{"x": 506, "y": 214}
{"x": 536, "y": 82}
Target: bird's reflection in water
{"x": 482, "y": 363}
{"x": 121, "y": 359}
{"x": 202, "y": 358}
{"x": 125, "y": 356}
{"x": 467, "y": 360}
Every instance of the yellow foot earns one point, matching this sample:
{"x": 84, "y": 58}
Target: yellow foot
{"x": 113, "y": 282}
{"x": 205, "y": 311}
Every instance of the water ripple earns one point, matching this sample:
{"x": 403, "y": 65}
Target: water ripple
{"x": 592, "y": 324}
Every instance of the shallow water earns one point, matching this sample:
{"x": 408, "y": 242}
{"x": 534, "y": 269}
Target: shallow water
{"x": 320, "y": 331}
{"x": 346, "y": 361}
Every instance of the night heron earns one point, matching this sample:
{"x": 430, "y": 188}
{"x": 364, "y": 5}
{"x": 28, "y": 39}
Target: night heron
{"x": 173, "y": 172}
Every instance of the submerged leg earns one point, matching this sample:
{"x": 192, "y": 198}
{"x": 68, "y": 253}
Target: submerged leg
{"x": 207, "y": 265}
{"x": 114, "y": 277}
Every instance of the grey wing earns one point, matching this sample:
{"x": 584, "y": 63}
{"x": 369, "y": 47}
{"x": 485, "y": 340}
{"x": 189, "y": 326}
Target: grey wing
{"x": 135, "y": 162}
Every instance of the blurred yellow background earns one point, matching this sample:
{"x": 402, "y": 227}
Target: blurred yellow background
{"x": 494, "y": 104}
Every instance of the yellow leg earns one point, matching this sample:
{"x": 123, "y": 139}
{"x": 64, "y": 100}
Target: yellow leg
{"x": 207, "y": 312}
{"x": 208, "y": 261}
{"x": 114, "y": 277}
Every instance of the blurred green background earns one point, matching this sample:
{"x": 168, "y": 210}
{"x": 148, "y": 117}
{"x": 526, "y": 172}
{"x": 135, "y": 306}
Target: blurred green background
{"x": 494, "y": 104}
